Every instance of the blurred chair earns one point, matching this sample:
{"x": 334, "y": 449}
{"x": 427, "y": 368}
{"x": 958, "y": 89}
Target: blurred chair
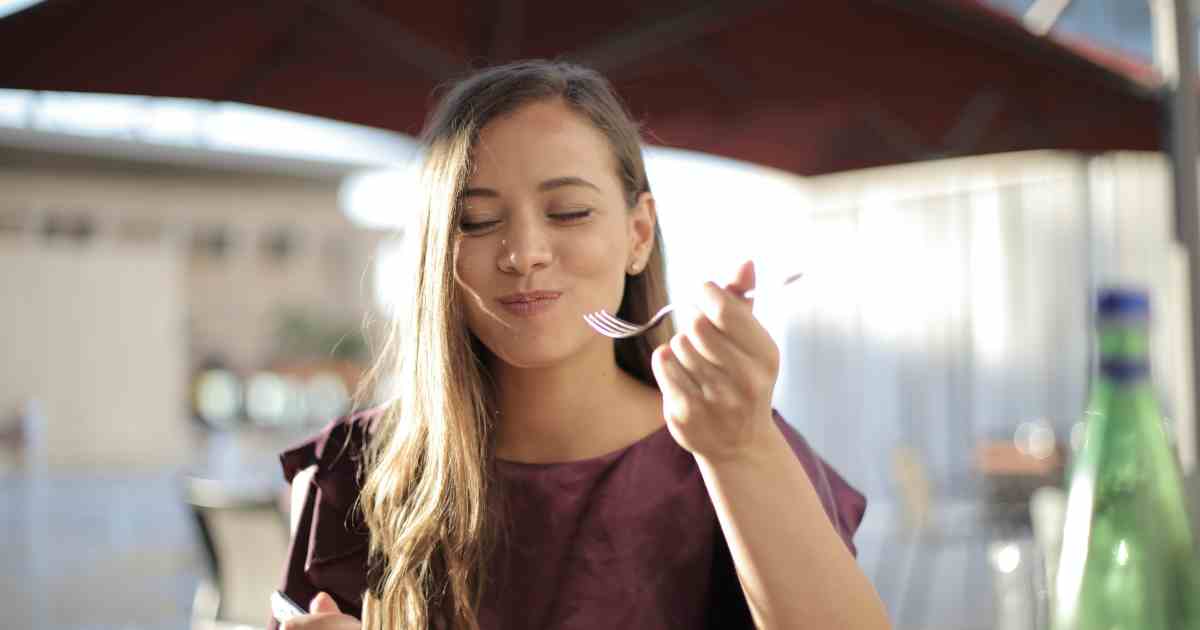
{"x": 930, "y": 527}
{"x": 925, "y": 515}
{"x": 18, "y": 426}
{"x": 1048, "y": 511}
{"x": 12, "y": 441}
{"x": 912, "y": 484}
{"x": 1011, "y": 474}
{"x": 244, "y": 535}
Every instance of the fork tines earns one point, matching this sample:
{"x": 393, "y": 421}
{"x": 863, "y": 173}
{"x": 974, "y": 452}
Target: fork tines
{"x": 610, "y": 326}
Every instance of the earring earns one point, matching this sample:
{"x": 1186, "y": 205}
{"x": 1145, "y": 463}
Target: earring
{"x": 634, "y": 268}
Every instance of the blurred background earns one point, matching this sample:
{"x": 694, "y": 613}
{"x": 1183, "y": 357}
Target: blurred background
{"x": 201, "y": 203}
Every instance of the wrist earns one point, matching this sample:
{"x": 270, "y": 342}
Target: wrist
{"x": 760, "y": 445}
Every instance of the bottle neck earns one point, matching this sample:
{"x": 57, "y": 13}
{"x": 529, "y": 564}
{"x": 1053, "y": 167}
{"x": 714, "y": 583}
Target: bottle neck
{"x": 1124, "y": 349}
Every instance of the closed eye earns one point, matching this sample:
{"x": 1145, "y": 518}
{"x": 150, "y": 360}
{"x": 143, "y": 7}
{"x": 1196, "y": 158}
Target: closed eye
{"x": 477, "y": 227}
{"x": 480, "y": 227}
{"x": 567, "y": 217}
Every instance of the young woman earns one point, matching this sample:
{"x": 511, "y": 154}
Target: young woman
{"x": 532, "y": 473}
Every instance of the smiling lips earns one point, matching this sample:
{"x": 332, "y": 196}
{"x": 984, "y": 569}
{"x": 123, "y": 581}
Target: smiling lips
{"x": 529, "y": 304}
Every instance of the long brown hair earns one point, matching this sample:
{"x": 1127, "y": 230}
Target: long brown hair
{"x": 428, "y": 487}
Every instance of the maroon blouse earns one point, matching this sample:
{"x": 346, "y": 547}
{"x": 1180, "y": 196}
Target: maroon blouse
{"x": 625, "y": 540}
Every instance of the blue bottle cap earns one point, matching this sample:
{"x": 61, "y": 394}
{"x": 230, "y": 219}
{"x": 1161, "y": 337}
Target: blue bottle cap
{"x": 1123, "y": 302}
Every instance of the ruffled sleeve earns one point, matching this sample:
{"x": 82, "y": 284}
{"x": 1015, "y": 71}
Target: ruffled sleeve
{"x": 844, "y": 505}
{"x": 329, "y": 549}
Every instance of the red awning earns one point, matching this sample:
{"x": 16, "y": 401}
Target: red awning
{"x": 809, "y": 87}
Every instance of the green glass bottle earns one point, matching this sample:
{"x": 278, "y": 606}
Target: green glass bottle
{"x": 1127, "y": 558}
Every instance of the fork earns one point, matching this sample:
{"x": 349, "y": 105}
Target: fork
{"x": 610, "y": 325}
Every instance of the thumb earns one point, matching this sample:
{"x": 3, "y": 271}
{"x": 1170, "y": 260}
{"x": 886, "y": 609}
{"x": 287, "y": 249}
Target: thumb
{"x": 743, "y": 280}
{"x": 323, "y": 603}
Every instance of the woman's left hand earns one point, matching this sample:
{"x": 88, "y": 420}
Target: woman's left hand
{"x": 717, "y": 374}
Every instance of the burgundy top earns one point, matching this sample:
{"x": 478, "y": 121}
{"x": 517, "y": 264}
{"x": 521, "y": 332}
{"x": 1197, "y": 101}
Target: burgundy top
{"x": 625, "y": 540}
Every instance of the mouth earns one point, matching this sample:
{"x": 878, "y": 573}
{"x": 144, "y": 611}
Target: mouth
{"x": 530, "y": 303}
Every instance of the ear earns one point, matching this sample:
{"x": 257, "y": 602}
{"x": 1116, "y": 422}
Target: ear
{"x": 642, "y": 219}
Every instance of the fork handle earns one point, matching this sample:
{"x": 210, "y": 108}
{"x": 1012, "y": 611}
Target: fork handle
{"x": 749, "y": 295}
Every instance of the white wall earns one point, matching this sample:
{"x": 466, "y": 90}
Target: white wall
{"x": 232, "y": 302}
{"x": 949, "y": 301}
{"x": 97, "y": 335}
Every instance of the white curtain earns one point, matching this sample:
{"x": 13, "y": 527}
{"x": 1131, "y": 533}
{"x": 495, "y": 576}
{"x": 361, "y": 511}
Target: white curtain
{"x": 944, "y": 302}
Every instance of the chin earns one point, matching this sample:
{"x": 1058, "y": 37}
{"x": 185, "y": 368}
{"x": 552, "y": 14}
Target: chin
{"x": 529, "y": 358}
{"x": 535, "y": 351}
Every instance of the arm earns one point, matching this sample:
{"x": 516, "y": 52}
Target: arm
{"x": 717, "y": 376}
{"x": 300, "y": 484}
{"x": 324, "y": 613}
{"x": 794, "y": 568}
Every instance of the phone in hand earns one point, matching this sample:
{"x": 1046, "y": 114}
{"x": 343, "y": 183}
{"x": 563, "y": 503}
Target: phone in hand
{"x": 284, "y": 608}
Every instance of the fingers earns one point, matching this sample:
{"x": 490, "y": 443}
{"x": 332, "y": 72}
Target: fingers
{"x": 743, "y": 279}
{"x": 733, "y": 318}
{"x": 323, "y": 603}
{"x": 695, "y": 364}
{"x": 723, "y": 357}
{"x": 727, "y": 311}
{"x": 323, "y": 612}
{"x": 688, "y": 378}
{"x": 673, "y": 379}
{"x": 322, "y": 621}
{"x": 713, "y": 345}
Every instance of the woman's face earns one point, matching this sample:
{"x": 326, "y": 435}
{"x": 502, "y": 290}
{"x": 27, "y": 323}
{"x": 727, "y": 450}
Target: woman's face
{"x": 545, "y": 235}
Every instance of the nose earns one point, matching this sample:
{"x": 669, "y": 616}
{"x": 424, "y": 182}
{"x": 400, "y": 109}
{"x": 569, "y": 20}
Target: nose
{"x": 525, "y": 248}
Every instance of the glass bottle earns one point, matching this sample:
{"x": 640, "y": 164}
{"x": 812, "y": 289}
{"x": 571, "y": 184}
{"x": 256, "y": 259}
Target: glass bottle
{"x": 1127, "y": 560}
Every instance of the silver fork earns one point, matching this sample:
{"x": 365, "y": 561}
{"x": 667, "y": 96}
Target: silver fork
{"x": 610, "y": 325}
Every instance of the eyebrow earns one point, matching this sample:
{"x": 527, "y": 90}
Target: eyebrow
{"x": 548, "y": 185}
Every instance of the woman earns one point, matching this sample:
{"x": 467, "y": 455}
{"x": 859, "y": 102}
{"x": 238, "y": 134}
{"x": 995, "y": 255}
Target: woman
{"x": 531, "y": 473}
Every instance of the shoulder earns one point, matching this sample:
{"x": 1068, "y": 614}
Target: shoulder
{"x": 339, "y": 444}
{"x": 330, "y": 540}
{"x": 333, "y": 459}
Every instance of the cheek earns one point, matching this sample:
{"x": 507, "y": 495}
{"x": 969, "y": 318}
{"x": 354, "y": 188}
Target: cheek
{"x": 597, "y": 253}
{"x": 598, "y": 262}
{"x": 470, "y": 277}
{"x": 469, "y": 266}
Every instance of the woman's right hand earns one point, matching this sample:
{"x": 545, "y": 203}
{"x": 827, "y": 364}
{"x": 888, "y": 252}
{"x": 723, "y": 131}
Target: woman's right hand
{"x": 324, "y": 614}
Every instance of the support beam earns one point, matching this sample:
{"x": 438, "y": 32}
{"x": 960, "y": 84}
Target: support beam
{"x": 1043, "y": 14}
{"x": 273, "y": 57}
{"x": 978, "y": 25}
{"x": 622, "y": 49}
{"x": 385, "y": 34}
{"x": 1175, "y": 54}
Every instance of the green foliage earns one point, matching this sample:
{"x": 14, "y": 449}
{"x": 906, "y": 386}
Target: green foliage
{"x": 301, "y": 333}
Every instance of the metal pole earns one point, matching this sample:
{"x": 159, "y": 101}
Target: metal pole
{"x": 1175, "y": 56}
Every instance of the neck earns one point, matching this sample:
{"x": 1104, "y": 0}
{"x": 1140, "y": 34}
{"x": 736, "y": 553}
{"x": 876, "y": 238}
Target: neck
{"x": 577, "y": 409}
